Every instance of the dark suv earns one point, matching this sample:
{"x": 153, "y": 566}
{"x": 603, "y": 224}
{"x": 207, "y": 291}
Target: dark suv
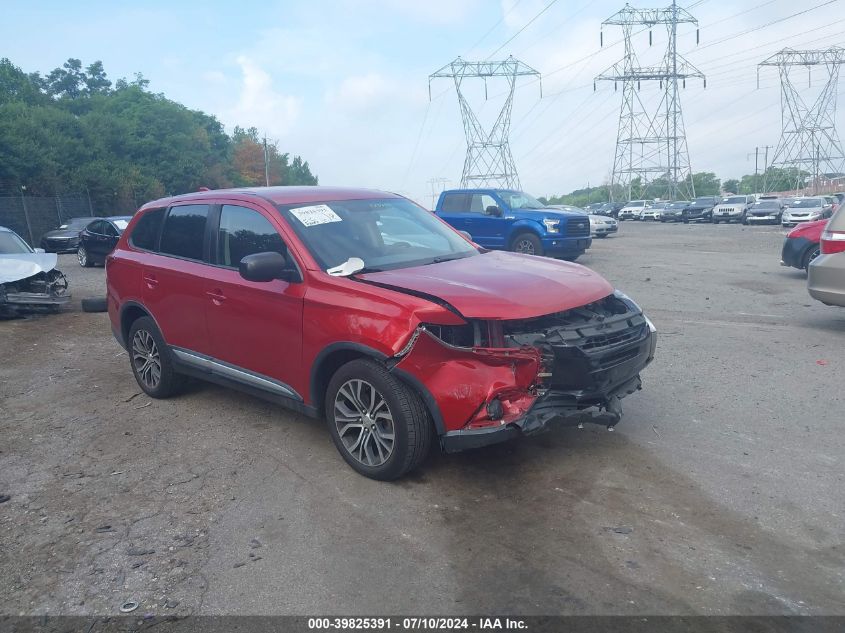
{"x": 362, "y": 307}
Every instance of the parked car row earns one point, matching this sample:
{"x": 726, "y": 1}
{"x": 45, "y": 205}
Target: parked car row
{"x": 741, "y": 209}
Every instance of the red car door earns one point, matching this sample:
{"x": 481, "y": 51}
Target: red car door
{"x": 173, "y": 279}
{"x": 255, "y": 327}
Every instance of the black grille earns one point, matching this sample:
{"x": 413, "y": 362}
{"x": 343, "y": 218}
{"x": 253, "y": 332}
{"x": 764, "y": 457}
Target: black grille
{"x": 610, "y": 340}
{"x": 578, "y": 227}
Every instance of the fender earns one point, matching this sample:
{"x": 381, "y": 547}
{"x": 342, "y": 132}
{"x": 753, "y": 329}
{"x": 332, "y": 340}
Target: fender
{"x": 523, "y": 225}
{"x": 340, "y": 346}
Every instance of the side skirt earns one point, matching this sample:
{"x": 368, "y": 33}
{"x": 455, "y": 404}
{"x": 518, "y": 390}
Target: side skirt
{"x": 190, "y": 364}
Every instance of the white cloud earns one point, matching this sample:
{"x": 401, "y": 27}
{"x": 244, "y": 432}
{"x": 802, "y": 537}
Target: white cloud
{"x": 259, "y": 104}
{"x": 360, "y": 91}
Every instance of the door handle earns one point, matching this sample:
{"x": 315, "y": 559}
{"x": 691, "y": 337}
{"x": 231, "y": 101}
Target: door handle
{"x": 217, "y": 296}
{"x": 151, "y": 281}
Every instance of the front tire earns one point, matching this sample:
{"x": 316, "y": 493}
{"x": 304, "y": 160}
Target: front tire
{"x": 151, "y": 360}
{"x": 527, "y": 244}
{"x": 83, "y": 257}
{"x": 378, "y": 424}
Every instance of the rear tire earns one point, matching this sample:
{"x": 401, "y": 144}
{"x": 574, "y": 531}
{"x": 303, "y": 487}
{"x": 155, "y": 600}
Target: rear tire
{"x": 83, "y": 257}
{"x": 151, "y": 360}
{"x": 809, "y": 256}
{"x": 378, "y": 424}
{"x": 527, "y": 244}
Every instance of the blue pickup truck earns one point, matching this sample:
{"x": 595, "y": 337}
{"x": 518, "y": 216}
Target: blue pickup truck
{"x": 512, "y": 220}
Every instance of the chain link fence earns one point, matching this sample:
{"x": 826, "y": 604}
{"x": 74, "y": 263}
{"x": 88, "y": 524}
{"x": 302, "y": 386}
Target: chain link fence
{"x": 32, "y": 216}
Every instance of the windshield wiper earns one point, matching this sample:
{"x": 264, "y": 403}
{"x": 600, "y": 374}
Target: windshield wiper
{"x": 440, "y": 260}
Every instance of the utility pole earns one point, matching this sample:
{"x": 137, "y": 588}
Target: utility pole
{"x": 90, "y": 206}
{"x": 437, "y": 186}
{"x": 489, "y": 162}
{"x": 26, "y": 216}
{"x": 756, "y": 157}
{"x": 809, "y": 143}
{"x": 651, "y": 143}
{"x": 266, "y": 165}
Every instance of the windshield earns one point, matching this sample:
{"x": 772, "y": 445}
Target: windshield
{"x": 385, "y": 233}
{"x": 806, "y": 203}
{"x": 767, "y": 204}
{"x": 734, "y": 200}
{"x": 705, "y": 200}
{"x": 11, "y": 244}
{"x": 636, "y": 203}
{"x": 679, "y": 205}
{"x": 521, "y": 200}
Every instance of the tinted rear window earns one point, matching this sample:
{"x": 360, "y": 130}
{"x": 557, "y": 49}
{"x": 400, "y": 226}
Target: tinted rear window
{"x": 184, "y": 230}
{"x": 455, "y": 203}
{"x": 145, "y": 233}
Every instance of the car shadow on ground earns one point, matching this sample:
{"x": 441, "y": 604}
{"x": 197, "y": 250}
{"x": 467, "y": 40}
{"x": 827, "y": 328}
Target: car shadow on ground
{"x": 526, "y": 517}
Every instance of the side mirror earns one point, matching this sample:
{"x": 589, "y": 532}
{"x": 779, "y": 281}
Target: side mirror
{"x": 493, "y": 210}
{"x": 267, "y": 267}
{"x": 466, "y": 235}
{"x": 39, "y": 250}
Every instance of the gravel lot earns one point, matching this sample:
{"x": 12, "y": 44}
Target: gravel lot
{"x": 721, "y": 491}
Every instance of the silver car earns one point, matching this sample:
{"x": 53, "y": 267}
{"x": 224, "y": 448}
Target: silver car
{"x": 600, "y": 226}
{"x": 826, "y": 274}
{"x": 806, "y": 210}
{"x": 733, "y": 209}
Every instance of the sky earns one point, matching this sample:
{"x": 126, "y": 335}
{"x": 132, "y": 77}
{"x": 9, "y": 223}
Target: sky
{"x": 344, "y": 83}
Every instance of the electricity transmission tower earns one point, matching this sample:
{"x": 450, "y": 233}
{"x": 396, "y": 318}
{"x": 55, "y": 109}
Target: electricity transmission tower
{"x": 488, "y": 162}
{"x": 809, "y": 144}
{"x": 651, "y": 145}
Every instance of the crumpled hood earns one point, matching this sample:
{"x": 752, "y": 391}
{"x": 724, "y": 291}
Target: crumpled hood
{"x": 500, "y": 285}
{"x": 17, "y": 266}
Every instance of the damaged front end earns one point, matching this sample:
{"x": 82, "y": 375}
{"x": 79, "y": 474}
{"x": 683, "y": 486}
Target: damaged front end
{"x": 44, "y": 291}
{"x": 497, "y": 379}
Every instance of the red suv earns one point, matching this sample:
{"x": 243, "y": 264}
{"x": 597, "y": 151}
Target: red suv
{"x": 363, "y": 308}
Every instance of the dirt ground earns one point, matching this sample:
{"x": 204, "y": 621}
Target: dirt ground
{"x": 721, "y": 491}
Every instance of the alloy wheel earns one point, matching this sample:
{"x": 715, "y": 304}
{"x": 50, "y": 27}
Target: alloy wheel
{"x": 364, "y": 422}
{"x": 82, "y": 256}
{"x": 525, "y": 247}
{"x": 146, "y": 359}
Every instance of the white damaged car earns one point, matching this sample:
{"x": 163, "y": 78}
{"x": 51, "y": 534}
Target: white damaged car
{"x": 29, "y": 281}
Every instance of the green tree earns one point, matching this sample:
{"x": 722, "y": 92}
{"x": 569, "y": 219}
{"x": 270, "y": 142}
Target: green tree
{"x": 71, "y": 130}
{"x": 731, "y": 186}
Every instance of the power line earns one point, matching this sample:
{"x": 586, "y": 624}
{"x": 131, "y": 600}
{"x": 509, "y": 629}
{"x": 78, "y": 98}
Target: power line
{"x": 767, "y": 24}
{"x": 492, "y": 28}
{"x": 527, "y": 24}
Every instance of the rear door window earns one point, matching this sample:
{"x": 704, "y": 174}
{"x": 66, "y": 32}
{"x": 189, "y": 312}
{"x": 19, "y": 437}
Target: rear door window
{"x": 145, "y": 233}
{"x": 455, "y": 203}
{"x": 243, "y": 232}
{"x": 184, "y": 231}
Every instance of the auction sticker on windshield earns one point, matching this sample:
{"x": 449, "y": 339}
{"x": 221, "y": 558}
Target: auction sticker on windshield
{"x": 316, "y": 214}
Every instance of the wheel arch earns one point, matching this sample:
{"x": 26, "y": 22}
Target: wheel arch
{"x": 333, "y": 357}
{"x": 524, "y": 226}
{"x": 130, "y": 312}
